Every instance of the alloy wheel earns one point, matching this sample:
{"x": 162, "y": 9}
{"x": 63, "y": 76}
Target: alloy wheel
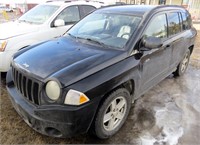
{"x": 114, "y": 113}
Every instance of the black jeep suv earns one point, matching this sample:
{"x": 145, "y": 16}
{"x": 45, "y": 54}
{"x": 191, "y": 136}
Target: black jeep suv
{"x": 87, "y": 79}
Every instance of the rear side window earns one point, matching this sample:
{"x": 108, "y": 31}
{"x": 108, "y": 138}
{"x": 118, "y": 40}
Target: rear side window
{"x": 86, "y": 9}
{"x": 174, "y": 25}
{"x": 157, "y": 27}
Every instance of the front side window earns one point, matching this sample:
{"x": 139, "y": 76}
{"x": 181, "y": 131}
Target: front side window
{"x": 39, "y": 14}
{"x": 157, "y": 27}
{"x": 113, "y": 30}
{"x": 70, "y": 15}
{"x": 173, "y": 23}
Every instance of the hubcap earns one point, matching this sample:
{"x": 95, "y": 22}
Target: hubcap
{"x": 185, "y": 62}
{"x": 114, "y": 113}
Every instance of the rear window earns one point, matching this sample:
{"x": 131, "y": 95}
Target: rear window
{"x": 174, "y": 26}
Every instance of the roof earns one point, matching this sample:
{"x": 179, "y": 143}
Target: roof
{"x": 128, "y": 9}
{"x": 136, "y": 9}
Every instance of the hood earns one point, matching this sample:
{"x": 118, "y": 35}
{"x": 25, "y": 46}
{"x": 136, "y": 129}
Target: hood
{"x": 66, "y": 59}
{"x": 15, "y": 28}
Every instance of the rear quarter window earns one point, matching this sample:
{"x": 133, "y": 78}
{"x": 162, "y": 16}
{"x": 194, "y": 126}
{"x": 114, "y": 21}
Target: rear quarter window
{"x": 186, "y": 21}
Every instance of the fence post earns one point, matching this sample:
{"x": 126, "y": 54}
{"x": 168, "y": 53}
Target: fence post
{"x": 5, "y": 15}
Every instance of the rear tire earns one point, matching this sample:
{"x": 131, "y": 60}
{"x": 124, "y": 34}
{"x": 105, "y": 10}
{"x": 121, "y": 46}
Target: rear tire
{"x": 112, "y": 114}
{"x": 182, "y": 67}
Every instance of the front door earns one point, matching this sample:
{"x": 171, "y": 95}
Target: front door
{"x": 70, "y": 15}
{"x": 155, "y": 63}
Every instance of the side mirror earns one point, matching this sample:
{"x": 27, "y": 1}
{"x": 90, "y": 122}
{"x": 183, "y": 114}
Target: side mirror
{"x": 59, "y": 22}
{"x": 151, "y": 42}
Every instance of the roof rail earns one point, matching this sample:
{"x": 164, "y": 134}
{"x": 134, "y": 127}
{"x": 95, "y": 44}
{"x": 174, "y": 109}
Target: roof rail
{"x": 95, "y": 1}
{"x": 67, "y": 1}
{"x": 120, "y": 3}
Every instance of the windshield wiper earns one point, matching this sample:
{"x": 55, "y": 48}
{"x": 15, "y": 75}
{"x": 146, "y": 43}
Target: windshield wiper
{"x": 89, "y": 39}
{"x": 25, "y": 21}
{"x": 71, "y": 35}
{"x": 76, "y": 37}
{"x": 96, "y": 41}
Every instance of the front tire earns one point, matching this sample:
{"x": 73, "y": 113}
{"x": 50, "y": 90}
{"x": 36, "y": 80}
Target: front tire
{"x": 182, "y": 67}
{"x": 112, "y": 113}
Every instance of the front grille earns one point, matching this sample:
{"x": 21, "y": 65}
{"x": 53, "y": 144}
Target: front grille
{"x": 28, "y": 87}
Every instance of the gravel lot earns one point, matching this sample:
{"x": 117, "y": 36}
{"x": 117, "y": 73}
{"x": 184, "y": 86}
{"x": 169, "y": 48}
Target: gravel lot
{"x": 168, "y": 114}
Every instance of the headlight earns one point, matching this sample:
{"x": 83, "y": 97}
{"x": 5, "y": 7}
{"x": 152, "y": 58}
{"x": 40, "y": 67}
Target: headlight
{"x": 3, "y": 44}
{"x": 52, "y": 90}
{"x": 74, "y": 97}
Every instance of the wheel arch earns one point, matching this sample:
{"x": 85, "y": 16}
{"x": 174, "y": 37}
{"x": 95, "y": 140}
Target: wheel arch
{"x": 23, "y": 47}
{"x": 191, "y": 48}
{"x": 128, "y": 84}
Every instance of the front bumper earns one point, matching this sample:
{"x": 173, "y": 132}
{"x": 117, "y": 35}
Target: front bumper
{"x": 54, "y": 120}
{"x": 5, "y": 60}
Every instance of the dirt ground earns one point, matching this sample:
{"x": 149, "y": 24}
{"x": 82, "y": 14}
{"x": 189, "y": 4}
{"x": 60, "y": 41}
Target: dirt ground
{"x": 168, "y": 114}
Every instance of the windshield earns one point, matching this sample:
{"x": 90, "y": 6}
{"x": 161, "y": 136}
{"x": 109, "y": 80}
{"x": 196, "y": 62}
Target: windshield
{"x": 39, "y": 14}
{"x": 112, "y": 30}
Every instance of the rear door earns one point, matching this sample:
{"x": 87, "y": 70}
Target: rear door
{"x": 176, "y": 37}
{"x": 179, "y": 35}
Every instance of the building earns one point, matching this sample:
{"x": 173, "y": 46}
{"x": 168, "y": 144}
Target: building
{"x": 192, "y": 5}
{"x": 22, "y": 5}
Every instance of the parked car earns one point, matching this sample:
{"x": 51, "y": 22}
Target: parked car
{"x": 4, "y": 8}
{"x": 43, "y": 22}
{"x": 87, "y": 79}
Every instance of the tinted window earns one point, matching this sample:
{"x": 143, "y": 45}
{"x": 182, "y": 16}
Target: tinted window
{"x": 173, "y": 23}
{"x": 157, "y": 27}
{"x": 189, "y": 20}
{"x": 70, "y": 15}
{"x": 86, "y": 10}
